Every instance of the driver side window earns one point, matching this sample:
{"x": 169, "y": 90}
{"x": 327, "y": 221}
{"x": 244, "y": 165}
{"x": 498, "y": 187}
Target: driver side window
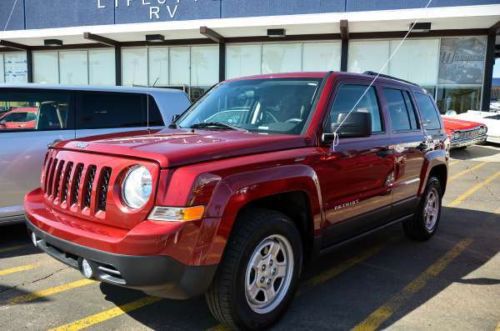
{"x": 358, "y": 98}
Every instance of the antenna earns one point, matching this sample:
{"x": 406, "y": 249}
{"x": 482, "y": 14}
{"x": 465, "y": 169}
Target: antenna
{"x": 336, "y": 140}
{"x": 10, "y": 15}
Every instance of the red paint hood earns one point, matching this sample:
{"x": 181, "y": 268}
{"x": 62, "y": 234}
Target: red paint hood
{"x": 453, "y": 124}
{"x": 173, "y": 148}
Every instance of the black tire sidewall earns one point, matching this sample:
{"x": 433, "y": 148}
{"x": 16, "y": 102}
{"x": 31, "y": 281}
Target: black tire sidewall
{"x": 276, "y": 225}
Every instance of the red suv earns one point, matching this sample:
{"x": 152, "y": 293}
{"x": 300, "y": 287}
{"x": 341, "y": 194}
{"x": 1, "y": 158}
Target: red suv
{"x": 258, "y": 176}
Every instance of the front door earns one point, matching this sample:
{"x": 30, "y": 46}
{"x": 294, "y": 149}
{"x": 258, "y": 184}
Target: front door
{"x": 354, "y": 177}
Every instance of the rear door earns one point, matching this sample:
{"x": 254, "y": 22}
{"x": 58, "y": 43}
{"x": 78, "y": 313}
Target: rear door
{"x": 407, "y": 140}
{"x": 23, "y": 147}
{"x": 109, "y": 112}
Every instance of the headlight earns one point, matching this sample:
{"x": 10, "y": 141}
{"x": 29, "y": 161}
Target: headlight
{"x": 137, "y": 187}
{"x": 456, "y": 135}
{"x": 483, "y": 130}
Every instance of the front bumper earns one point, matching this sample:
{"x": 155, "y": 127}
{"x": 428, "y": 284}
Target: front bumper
{"x": 155, "y": 275}
{"x": 467, "y": 142}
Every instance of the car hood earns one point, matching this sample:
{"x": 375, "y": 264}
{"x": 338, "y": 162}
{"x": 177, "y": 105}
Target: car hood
{"x": 453, "y": 124}
{"x": 176, "y": 147}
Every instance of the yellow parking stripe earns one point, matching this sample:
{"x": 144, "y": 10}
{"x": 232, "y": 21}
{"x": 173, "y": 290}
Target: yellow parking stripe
{"x": 49, "y": 291}
{"x": 473, "y": 190}
{"x": 384, "y": 312}
{"x": 498, "y": 327}
{"x": 107, "y": 314}
{"x": 5, "y": 272}
{"x": 13, "y": 248}
{"x": 453, "y": 162}
{"x": 461, "y": 173}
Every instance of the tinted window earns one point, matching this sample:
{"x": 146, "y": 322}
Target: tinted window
{"x": 411, "y": 111}
{"x": 347, "y": 98}
{"x": 428, "y": 112}
{"x": 35, "y": 110}
{"x": 116, "y": 110}
{"x": 400, "y": 110}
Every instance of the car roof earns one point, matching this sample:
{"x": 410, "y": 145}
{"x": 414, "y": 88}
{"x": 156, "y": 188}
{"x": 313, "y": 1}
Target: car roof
{"x": 322, "y": 74}
{"x": 94, "y": 88}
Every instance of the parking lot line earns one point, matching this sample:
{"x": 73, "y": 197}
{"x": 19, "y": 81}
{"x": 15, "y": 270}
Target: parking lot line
{"x": 461, "y": 173}
{"x": 453, "y": 162}
{"x": 13, "y": 248}
{"x": 473, "y": 190}
{"x": 107, "y": 314}
{"x": 9, "y": 271}
{"x": 385, "y": 311}
{"x": 498, "y": 327}
{"x": 49, "y": 291}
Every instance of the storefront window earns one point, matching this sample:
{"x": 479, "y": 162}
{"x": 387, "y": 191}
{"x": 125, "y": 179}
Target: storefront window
{"x": 243, "y": 60}
{"x": 102, "y": 67}
{"x": 458, "y": 98}
{"x": 158, "y": 66}
{"x": 46, "y": 67}
{"x": 73, "y": 67}
{"x": 368, "y": 56}
{"x": 179, "y": 66}
{"x": 321, "y": 56}
{"x": 281, "y": 58}
{"x": 135, "y": 66}
{"x": 2, "y": 73}
{"x": 15, "y": 67}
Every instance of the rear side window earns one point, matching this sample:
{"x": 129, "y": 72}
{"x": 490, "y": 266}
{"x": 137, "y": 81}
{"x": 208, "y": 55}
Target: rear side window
{"x": 347, "y": 98}
{"x": 400, "y": 110}
{"x": 428, "y": 112}
{"x": 35, "y": 110}
{"x": 98, "y": 110}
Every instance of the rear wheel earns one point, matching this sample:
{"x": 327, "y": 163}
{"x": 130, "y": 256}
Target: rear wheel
{"x": 259, "y": 272}
{"x": 425, "y": 222}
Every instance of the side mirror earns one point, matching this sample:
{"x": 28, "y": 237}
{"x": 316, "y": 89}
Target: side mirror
{"x": 2, "y": 122}
{"x": 358, "y": 124}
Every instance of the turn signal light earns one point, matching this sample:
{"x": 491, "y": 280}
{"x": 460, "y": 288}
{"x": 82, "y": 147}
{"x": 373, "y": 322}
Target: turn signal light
{"x": 177, "y": 214}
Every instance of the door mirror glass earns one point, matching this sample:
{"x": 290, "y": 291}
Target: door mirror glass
{"x": 357, "y": 124}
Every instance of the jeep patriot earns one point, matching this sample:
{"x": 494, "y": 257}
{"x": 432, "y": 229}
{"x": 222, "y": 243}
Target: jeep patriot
{"x": 258, "y": 176}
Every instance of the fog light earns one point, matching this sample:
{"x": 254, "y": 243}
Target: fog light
{"x": 87, "y": 269}
{"x": 33, "y": 239}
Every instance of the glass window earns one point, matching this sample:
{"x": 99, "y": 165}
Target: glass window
{"x": 73, "y": 67}
{"x": 416, "y": 60}
{"x": 265, "y": 105}
{"x": 102, "y": 67}
{"x": 158, "y": 66}
{"x": 204, "y": 65}
{"x": 180, "y": 66}
{"x": 243, "y": 60}
{"x": 458, "y": 98}
{"x": 368, "y": 55}
{"x": 411, "y": 110}
{"x": 134, "y": 65}
{"x": 34, "y": 110}
{"x": 46, "y": 67}
{"x": 15, "y": 67}
{"x": 348, "y": 98}
{"x": 321, "y": 56}
{"x": 2, "y": 73}
{"x": 428, "y": 112}
{"x": 284, "y": 57}
{"x": 116, "y": 110}
{"x": 396, "y": 105}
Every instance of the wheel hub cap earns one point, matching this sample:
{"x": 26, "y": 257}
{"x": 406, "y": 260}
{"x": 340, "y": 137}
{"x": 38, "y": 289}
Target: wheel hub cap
{"x": 431, "y": 209}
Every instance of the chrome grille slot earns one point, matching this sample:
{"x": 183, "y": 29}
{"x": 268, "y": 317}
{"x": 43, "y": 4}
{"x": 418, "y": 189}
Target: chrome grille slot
{"x": 51, "y": 178}
{"x": 102, "y": 188}
{"x": 66, "y": 178}
{"x": 46, "y": 176}
{"x": 75, "y": 188}
{"x": 88, "y": 185}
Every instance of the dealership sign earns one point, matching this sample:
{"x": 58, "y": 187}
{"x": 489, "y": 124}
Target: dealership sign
{"x": 155, "y": 7}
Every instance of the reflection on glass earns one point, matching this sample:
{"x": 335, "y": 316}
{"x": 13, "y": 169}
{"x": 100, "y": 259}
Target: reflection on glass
{"x": 45, "y": 67}
{"x": 278, "y": 58}
{"x": 73, "y": 66}
{"x": 135, "y": 70}
{"x": 102, "y": 67}
{"x": 458, "y": 98}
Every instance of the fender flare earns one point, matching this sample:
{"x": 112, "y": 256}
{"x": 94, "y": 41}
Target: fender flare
{"x": 432, "y": 159}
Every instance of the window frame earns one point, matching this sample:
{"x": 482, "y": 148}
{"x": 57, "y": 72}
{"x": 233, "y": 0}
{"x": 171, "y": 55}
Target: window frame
{"x": 333, "y": 96}
{"x": 71, "y": 108}
{"x": 436, "y": 110}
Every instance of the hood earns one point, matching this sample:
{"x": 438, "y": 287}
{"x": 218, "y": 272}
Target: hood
{"x": 177, "y": 147}
{"x": 453, "y": 124}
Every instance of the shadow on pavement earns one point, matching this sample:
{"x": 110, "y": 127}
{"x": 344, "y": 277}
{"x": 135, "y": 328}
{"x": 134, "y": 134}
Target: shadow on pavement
{"x": 476, "y": 151}
{"x": 342, "y": 302}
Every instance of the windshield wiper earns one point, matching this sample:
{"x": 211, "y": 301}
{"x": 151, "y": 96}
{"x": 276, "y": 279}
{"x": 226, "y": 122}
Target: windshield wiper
{"x": 219, "y": 125}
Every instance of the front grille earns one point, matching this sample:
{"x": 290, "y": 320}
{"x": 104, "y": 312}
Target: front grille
{"x": 75, "y": 188}
{"x": 57, "y": 179}
{"x": 87, "y": 186}
{"x": 65, "y": 181}
{"x": 102, "y": 188}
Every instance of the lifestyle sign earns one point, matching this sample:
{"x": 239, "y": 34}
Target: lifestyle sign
{"x": 156, "y": 8}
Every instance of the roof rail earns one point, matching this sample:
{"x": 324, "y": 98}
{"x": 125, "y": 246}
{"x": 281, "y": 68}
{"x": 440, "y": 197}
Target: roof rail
{"x": 373, "y": 73}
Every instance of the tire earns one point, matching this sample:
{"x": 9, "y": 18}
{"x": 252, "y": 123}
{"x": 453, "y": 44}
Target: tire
{"x": 254, "y": 232}
{"x": 423, "y": 225}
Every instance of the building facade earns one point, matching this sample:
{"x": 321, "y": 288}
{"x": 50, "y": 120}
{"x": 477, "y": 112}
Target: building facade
{"x": 193, "y": 44}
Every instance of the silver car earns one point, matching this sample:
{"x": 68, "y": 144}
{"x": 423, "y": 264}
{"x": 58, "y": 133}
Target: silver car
{"x": 35, "y": 116}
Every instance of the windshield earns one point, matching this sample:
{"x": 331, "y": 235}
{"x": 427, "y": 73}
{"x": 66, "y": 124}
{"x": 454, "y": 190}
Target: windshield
{"x": 262, "y": 105}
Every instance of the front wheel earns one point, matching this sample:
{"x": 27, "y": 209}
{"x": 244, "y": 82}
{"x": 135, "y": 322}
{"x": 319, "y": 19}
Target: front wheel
{"x": 425, "y": 222}
{"x": 259, "y": 272}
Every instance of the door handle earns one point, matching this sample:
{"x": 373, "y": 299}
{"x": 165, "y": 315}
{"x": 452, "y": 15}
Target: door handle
{"x": 53, "y": 143}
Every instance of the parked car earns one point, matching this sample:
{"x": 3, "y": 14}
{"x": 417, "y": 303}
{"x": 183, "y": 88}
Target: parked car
{"x": 489, "y": 119}
{"x": 258, "y": 176}
{"x": 38, "y": 115}
{"x": 19, "y": 118}
{"x": 463, "y": 133}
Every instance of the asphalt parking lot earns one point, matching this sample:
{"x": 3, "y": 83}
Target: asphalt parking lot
{"x": 451, "y": 282}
